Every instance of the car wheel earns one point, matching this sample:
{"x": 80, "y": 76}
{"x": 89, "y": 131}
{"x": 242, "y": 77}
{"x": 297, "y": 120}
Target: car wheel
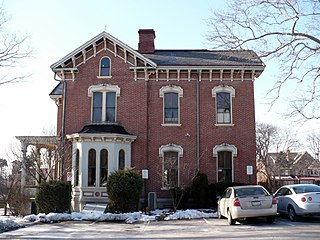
{"x": 231, "y": 221}
{"x": 292, "y": 214}
{"x": 270, "y": 219}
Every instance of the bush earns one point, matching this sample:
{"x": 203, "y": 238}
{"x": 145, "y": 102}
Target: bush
{"x": 179, "y": 197}
{"x": 53, "y": 196}
{"x": 124, "y": 189}
{"x": 200, "y": 190}
{"x": 18, "y": 202}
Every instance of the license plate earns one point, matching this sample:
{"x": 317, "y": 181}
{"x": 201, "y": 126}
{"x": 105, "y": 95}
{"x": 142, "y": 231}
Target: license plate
{"x": 256, "y": 203}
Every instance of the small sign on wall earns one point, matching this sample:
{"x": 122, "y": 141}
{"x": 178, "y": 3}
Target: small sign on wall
{"x": 249, "y": 170}
{"x": 145, "y": 174}
{"x": 69, "y": 176}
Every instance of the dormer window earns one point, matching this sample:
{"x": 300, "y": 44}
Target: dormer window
{"x": 105, "y": 67}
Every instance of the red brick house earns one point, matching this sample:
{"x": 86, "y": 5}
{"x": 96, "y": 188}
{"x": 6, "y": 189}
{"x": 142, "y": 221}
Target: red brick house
{"x": 172, "y": 112}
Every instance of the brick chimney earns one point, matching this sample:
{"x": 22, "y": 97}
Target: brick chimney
{"x": 146, "y": 40}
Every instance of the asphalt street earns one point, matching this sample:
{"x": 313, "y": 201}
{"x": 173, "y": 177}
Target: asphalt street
{"x": 211, "y": 228}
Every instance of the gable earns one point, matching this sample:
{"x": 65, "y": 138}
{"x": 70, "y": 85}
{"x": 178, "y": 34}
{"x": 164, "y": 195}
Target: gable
{"x": 101, "y": 42}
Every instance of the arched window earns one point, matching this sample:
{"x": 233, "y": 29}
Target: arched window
{"x": 171, "y": 108}
{"x": 105, "y": 67}
{"x": 170, "y": 155}
{"x": 225, "y": 166}
{"x": 92, "y": 167}
{"x": 225, "y": 154}
{"x": 170, "y": 169}
{"x": 121, "y": 159}
{"x": 223, "y": 95}
{"x": 103, "y": 167}
{"x": 76, "y": 170}
{"x": 171, "y": 104}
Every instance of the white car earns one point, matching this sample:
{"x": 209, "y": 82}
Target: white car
{"x": 242, "y": 202}
{"x": 298, "y": 200}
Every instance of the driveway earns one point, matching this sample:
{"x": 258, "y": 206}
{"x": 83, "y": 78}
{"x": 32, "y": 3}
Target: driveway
{"x": 211, "y": 228}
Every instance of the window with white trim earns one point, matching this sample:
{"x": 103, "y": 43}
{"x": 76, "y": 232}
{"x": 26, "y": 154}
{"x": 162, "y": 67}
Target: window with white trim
{"x": 223, "y": 101}
{"x": 92, "y": 168}
{"x": 105, "y": 66}
{"x": 171, "y": 108}
{"x": 224, "y": 155}
{"x": 104, "y": 102}
{"x": 103, "y": 107}
{"x": 171, "y": 104}
{"x": 121, "y": 160}
{"x": 76, "y": 171}
{"x": 225, "y": 166}
{"x": 170, "y": 155}
{"x": 170, "y": 169}
{"x": 103, "y": 167}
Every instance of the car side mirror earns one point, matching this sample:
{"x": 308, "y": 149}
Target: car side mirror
{"x": 218, "y": 197}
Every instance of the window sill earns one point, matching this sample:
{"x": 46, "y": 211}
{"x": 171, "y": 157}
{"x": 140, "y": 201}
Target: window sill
{"x": 224, "y": 125}
{"x": 171, "y": 124}
{"x": 166, "y": 188}
{"x": 104, "y": 77}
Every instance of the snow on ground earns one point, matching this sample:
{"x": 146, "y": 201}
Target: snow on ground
{"x": 10, "y": 222}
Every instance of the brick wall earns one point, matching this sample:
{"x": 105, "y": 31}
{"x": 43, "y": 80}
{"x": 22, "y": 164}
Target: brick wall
{"x": 140, "y": 112}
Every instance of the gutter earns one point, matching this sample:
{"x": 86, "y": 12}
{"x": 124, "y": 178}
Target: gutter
{"x": 198, "y": 120}
{"x": 64, "y": 91}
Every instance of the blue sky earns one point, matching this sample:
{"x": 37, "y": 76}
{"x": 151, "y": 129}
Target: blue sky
{"x": 57, "y": 27}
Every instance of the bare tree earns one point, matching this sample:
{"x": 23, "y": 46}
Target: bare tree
{"x": 12, "y": 51}
{"x": 178, "y": 187}
{"x": 313, "y": 140}
{"x": 287, "y": 31}
{"x": 266, "y": 138}
{"x": 3, "y": 164}
{"x": 273, "y": 153}
{"x": 10, "y": 189}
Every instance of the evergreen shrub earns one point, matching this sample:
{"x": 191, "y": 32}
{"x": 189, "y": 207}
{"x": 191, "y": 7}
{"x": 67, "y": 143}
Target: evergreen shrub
{"x": 200, "y": 190}
{"x": 124, "y": 188}
{"x": 53, "y": 196}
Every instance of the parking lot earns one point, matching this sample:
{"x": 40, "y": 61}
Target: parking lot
{"x": 211, "y": 228}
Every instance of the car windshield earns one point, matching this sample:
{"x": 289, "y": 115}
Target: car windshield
{"x": 306, "y": 189}
{"x": 253, "y": 191}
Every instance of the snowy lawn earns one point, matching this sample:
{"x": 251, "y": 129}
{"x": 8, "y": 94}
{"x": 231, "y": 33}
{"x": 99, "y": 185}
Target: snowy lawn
{"x": 9, "y": 222}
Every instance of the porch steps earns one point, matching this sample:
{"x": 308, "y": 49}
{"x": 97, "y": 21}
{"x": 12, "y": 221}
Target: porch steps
{"x": 94, "y": 207}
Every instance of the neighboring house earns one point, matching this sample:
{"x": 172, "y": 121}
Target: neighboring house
{"x": 172, "y": 112}
{"x": 290, "y": 167}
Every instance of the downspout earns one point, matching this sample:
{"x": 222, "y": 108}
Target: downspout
{"x": 61, "y": 159}
{"x": 198, "y": 120}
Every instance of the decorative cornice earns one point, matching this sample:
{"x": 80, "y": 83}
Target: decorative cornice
{"x": 225, "y": 147}
{"x": 170, "y": 147}
{"x": 104, "y": 87}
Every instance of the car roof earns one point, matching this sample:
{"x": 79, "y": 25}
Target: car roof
{"x": 302, "y": 185}
{"x": 246, "y": 186}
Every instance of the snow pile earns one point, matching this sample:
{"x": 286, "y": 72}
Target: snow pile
{"x": 190, "y": 214}
{"x": 8, "y": 222}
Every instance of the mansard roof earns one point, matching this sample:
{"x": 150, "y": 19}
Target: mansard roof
{"x": 205, "y": 58}
{"x": 104, "y": 128}
{"x": 106, "y": 131}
